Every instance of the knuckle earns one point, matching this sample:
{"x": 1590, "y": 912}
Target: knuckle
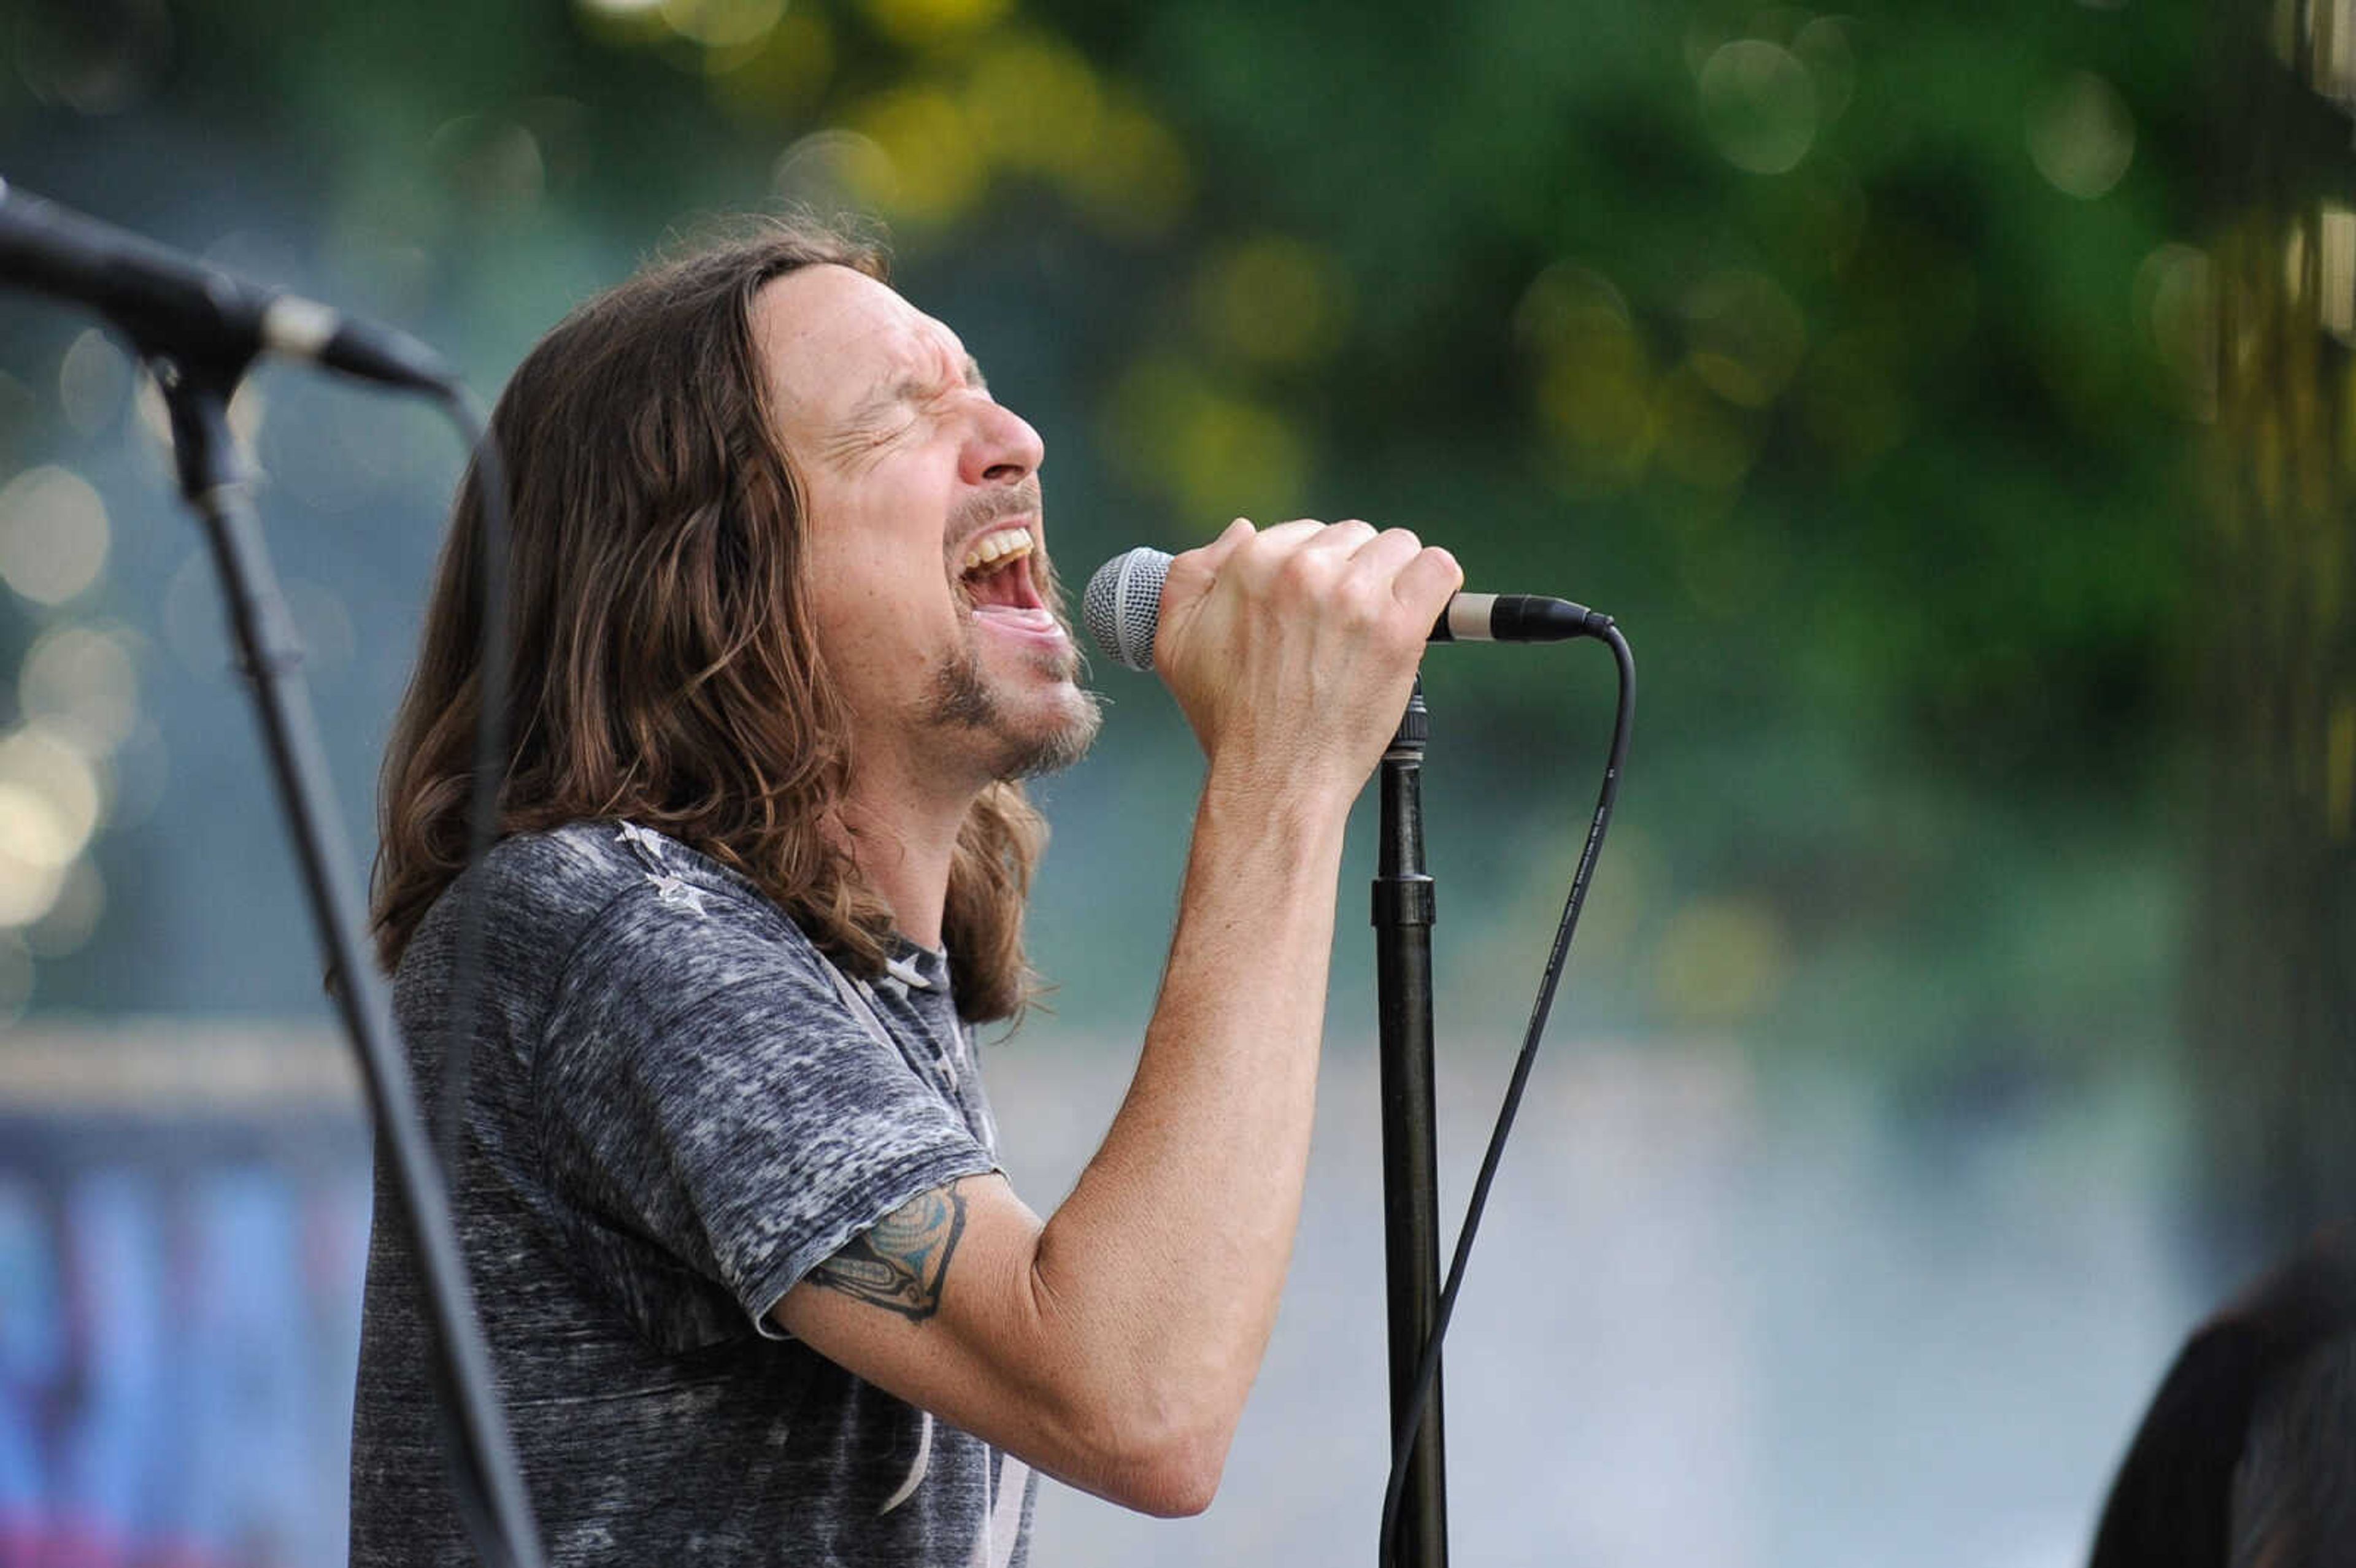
{"x": 1436, "y": 563}
{"x": 1254, "y": 550}
{"x": 1361, "y": 599}
{"x": 1302, "y": 569}
{"x": 1259, "y": 566}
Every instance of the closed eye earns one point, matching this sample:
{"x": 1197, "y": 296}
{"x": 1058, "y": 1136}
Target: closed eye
{"x": 847, "y": 446}
{"x": 892, "y": 410}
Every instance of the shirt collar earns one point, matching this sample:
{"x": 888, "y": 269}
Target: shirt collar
{"x": 918, "y": 968}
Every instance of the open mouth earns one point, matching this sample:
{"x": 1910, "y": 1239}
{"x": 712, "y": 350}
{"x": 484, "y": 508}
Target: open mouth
{"x": 996, "y": 573}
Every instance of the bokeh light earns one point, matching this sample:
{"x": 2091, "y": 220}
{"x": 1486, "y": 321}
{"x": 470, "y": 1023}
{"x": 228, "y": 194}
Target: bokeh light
{"x": 1212, "y": 453}
{"x": 923, "y": 23}
{"x": 622, "y": 19}
{"x": 35, "y": 851}
{"x": 1594, "y": 386}
{"x": 724, "y": 24}
{"x": 830, "y": 171}
{"x": 935, "y": 162}
{"x": 1036, "y": 104}
{"x": 2335, "y": 267}
{"x": 1759, "y": 104}
{"x": 2080, "y": 135}
{"x": 1822, "y": 44}
{"x": 1136, "y": 182}
{"x": 81, "y": 684}
{"x": 92, "y": 380}
{"x": 1704, "y": 441}
{"x": 2175, "y": 294}
{"x": 1747, "y": 337}
{"x": 53, "y": 534}
{"x": 776, "y": 80}
{"x": 1271, "y": 300}
{"x": 51, "y": 801}
{"x": 63, "y": 777}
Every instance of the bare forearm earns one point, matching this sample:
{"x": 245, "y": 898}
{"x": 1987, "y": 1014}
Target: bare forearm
{"x": 1114, "y": 1345}
{"x": 1163, "y": 1267}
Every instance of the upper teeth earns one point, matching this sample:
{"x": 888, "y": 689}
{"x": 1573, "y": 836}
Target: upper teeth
{"x": 998, "y": 544}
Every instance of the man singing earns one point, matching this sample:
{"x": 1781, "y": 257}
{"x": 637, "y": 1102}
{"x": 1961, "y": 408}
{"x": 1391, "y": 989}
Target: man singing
{"x": 784, "y": 639}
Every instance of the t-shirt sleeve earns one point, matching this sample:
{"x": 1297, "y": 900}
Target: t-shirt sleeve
{"x": 714, "y": 1121}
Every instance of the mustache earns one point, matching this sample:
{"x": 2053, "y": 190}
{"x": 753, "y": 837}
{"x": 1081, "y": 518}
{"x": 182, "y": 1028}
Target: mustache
{"x": 991, "y": 506}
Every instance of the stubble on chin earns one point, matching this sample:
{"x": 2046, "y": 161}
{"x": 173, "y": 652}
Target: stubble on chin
{"x": 961, "y": 700}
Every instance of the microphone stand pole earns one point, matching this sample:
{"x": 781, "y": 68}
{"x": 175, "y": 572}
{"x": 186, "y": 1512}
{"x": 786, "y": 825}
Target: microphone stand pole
{"x": 1403, "y": 913}
{"x": 197, "y": 392}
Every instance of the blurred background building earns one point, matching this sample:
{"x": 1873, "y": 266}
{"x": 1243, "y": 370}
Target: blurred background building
{"x": 1954, "y": 406}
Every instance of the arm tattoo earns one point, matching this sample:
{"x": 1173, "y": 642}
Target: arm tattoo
{"x": 900, "y": 1263}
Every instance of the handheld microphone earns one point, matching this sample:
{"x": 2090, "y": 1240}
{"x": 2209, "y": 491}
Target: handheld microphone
{"x": 167, "y": 303}
{"x": 1123, "y": 610}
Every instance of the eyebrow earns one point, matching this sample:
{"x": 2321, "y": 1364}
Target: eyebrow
{"x": 875, "y": 403}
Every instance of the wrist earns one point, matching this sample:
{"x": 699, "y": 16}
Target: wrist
{"x": 1303, "y": 806}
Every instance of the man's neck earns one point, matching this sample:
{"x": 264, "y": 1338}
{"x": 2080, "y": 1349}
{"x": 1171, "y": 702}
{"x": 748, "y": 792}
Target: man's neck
{"x": 903, "y": 840}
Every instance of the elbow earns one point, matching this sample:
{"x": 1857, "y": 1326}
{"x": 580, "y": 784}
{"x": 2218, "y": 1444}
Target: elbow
{"x": 1157, "y": 1457}
{"x": 1173, "y": 1479}
{"x": 1189, "y": 1490}
{"x": 1139, "y": 1426}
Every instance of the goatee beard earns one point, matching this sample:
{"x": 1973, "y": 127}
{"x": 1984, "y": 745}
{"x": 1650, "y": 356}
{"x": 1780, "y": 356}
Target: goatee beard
{"x": 961, "y": 699}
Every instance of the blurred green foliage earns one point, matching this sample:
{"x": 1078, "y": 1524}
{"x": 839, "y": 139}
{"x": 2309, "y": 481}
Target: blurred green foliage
{"x": 1854, "y": 360}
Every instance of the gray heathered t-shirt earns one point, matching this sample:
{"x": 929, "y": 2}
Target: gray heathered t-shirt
{"x": 678, "y": 1108}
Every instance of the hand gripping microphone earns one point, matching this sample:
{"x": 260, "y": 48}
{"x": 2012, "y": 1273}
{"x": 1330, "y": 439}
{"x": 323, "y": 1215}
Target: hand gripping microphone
{"x": 1123, "y": 610}
{"x": 167, "y": 302}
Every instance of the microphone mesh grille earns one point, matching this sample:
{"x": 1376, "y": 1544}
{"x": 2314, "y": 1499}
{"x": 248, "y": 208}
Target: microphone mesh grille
{"x": 1123, "y": 605}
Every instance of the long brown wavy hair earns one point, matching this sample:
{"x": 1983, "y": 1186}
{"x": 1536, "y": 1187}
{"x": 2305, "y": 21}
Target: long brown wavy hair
{"x": 665, "y": 670}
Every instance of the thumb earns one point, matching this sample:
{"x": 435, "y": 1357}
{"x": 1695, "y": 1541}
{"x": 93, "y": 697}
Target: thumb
{"x": 1231, "y": 537}
{"x": 1191, "y": 573}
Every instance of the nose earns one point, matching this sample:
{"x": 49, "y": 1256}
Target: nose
{"x": 1002, "y": 448}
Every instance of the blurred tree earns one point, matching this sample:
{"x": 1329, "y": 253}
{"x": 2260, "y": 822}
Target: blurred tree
{"x": 1842, "y": 354}
{"x": 2273, "y": 953}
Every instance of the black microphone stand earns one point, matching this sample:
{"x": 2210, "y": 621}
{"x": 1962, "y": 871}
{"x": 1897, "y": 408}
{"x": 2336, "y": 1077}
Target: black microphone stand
{"x": 197, "y": 392}
{"x": 1403, "y": 913}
